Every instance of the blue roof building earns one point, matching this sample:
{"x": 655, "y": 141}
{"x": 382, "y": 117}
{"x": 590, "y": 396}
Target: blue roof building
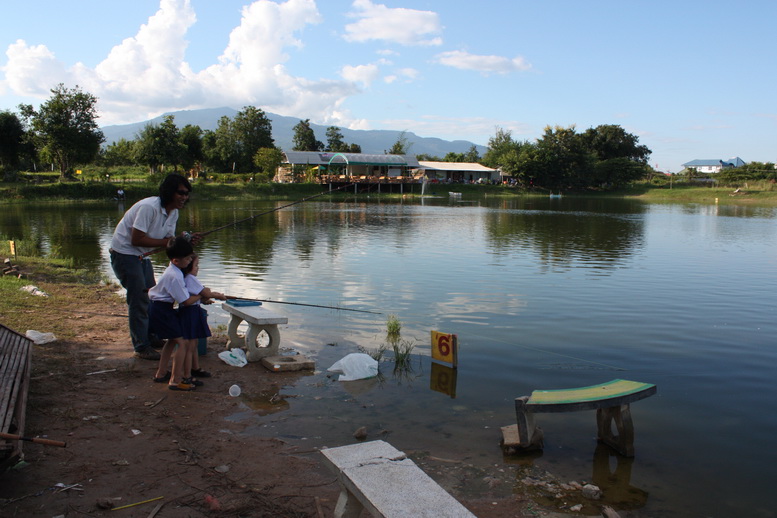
{"x": 714, "y": 166}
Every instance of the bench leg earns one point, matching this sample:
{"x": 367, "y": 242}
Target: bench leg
{"x": 621, "y": 415}
{"x": 530, "y": 435}
{"x": 234, "y": 339}
{"x": 348, "y": 506}
{"x": 255, "y": 353}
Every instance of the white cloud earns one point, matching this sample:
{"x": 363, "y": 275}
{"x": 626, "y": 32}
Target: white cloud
{"x": 364, "y": 74}
{"x": 485, "y": 64}
{"x": 148, "y": 73}
{"x": 396, "y": 25}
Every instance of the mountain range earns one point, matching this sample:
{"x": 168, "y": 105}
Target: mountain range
{"x": 371, "y": 141}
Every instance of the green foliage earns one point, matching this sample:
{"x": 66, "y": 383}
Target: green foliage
{"x": 12, "y": 136}
{"x": 393, "y": 328}
{"x": 305, "y": 138}
{"x": 268, "y": 160}
{"x": 235, "y": 142}
{"x": 748, "y": 173}
{"x": 402, "y": 354}
{"x": 401, "y": 146}
{"x": 64, "y": 128}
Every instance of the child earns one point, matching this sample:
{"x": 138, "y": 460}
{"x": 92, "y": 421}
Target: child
{"x": 194, "y": 319}
{"x": 164, "y": 319}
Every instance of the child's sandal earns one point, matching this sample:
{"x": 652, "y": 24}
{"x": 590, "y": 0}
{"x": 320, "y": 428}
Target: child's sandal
{"x": 190, "y": 381}
{"x": 185, "y": 387}
{"x": 163, "y": 379}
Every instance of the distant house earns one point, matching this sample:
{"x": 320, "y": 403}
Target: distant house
{"x": 714, "y": 166}
{"x": 457, "y": 172}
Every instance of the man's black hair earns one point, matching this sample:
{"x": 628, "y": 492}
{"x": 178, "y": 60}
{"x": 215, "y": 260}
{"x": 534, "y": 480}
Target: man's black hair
{"x": 178, "y": 248}
{"x": 170, "y": 185}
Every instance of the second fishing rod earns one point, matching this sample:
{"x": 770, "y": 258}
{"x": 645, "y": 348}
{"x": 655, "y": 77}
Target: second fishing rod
{"x": 237, "y": 222}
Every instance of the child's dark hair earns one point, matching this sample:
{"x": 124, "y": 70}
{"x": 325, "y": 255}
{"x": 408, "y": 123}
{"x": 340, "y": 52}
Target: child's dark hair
{"x": 178, "y": 248}
{"x": 188, "y": 269}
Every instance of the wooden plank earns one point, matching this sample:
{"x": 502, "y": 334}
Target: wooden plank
{"x": 612, "y": 393}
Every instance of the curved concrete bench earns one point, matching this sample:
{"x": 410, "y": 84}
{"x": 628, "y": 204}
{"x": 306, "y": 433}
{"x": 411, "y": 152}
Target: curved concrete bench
{"x": 258, "y": 319}
{"x": 611, "y": 401}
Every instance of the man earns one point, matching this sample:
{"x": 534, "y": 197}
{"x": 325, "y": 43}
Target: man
{"x": 146, "y": 226}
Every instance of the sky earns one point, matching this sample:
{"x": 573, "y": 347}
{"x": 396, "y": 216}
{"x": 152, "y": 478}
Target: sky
{"x": 691, "y": 79}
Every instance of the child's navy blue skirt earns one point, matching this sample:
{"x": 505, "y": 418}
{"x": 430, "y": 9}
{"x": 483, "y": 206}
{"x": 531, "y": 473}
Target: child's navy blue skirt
{"x": 194, "y": 322}
{"x": 163, "y": 320}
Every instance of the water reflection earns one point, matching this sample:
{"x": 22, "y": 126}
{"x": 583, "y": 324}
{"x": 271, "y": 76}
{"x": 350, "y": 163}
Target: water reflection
{"x": 541, "y": 293}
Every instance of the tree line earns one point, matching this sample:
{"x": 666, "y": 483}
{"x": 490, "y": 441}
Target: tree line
{"x": 63, "y": 131}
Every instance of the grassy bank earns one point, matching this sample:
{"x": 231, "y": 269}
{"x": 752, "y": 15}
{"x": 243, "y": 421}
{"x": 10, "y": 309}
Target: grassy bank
{"x": 762, "y": 193}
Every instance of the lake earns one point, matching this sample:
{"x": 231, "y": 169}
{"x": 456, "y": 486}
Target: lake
{"x": 542, "y": 293}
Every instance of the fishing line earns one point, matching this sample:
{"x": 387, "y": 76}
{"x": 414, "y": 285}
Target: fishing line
{"x": 229, "y": 297}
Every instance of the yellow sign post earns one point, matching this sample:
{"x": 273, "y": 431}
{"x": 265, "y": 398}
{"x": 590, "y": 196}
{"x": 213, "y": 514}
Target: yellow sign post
{"x": 445, "y": 348}
{"x": 12, "y": 246}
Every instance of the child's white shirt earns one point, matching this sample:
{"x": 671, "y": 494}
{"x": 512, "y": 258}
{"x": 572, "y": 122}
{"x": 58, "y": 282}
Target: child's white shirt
{"x": 193, "y": 286}
{"x": 170, "y": 287}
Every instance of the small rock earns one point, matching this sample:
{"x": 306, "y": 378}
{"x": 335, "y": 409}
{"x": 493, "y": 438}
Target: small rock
{"x": 361, "y": 433}
{"x": 576, "y": 508}
{"x": 592, "y": 492}
{"x": 222, "y": 469}
{"x": 105, "y": 503}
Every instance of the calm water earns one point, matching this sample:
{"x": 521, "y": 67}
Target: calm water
{"x": 542, "y": 293}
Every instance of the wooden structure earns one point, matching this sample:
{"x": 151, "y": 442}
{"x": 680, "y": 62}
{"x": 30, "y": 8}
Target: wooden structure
{"x": 611, "y": 401}
{"x": 15, "y": 361}
{"x": 381, "y": 479}
{"x": 258, "y": 319}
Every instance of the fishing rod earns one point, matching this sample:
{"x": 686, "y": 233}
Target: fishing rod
{"x": 229, "y": 297}
{"x": 203, "y": 234}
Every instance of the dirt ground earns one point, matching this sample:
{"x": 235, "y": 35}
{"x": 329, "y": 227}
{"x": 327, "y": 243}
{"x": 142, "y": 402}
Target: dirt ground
{"x": 132, "y": 441}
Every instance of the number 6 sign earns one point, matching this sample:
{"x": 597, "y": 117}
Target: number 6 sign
{"x": 444, "y": 348}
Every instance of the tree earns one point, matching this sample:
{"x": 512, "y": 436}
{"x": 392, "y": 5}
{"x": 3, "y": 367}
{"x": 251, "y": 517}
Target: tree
{"x": 401, "y": 146}
{"x": 160, "y": 145}
{"x": 472, "y": 154}
{"x": 610, "y": 141}
{"x": 11, "y": 139}
{"x": 234, "y": 143}
{"x": 506, "y": 154}
{"x": 64, "y": 128}
{"x": 121, "y": 152}
{"x": 334, "y": 140}
{"x": 560, "y": 160}
{"x": 191, "y": 138}
{"x": 305, "y": 138}
{"x": 268, "y": 159}
{"x": 252, "y": 131}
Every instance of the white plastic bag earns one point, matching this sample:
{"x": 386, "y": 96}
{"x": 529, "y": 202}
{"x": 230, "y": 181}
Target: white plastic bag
{"x": 235, "y": 357}
{"x": 40, "y": 338}
{"x": 355, "y": 366}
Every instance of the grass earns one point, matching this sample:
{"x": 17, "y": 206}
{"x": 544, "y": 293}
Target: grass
{"x": 402, "y": 355}
{"x": 21, "y": 310}
{"x": 393, "y": 328}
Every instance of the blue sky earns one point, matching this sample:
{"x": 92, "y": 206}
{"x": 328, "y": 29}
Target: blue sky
{"x": 692, "y": 79}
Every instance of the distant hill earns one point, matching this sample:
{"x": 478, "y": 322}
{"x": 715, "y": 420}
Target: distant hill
{"x": 371, "y": 141}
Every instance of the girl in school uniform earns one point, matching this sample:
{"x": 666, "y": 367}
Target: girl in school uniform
{"x": 194, "y": 318}
{"x": 165, "y": 321}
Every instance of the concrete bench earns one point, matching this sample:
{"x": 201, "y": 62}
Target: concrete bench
{"x": 611, "y": 401}
{"x": 258, "y": 319}
{"x": 15, "y": 359}
{"x": 381, "y": 479}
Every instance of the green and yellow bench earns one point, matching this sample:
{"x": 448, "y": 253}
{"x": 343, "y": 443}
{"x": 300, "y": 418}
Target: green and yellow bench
{"x": 611, "y": 401}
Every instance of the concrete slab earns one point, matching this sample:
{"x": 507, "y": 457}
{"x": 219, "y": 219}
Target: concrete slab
{"x": 388, "y": 484}
{"x": 281, "y": 363}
